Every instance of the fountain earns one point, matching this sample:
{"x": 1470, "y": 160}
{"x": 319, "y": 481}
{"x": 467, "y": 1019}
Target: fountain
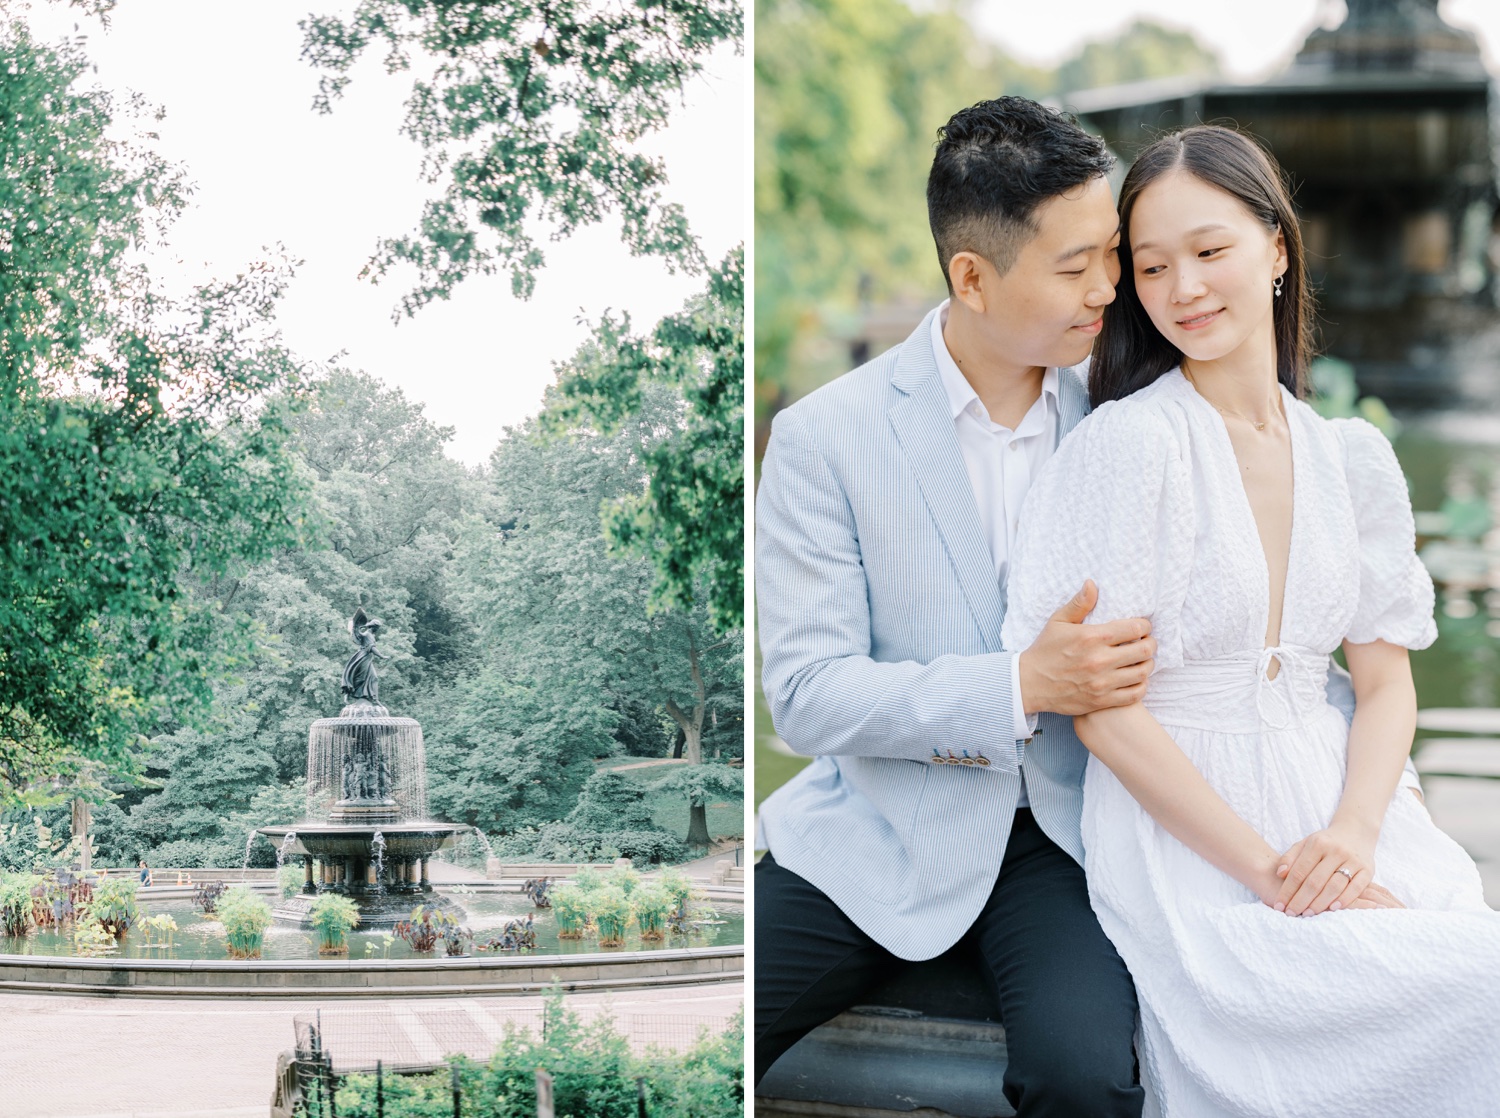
{"x": 1384, "y": 124}
{"x": 367, "y": 778}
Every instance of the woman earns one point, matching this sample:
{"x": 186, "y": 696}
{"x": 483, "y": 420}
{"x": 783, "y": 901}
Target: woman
{"x": 1204, "y": 494}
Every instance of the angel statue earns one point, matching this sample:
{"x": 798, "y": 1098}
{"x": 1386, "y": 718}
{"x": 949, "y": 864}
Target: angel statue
{"x": 360, "y": 680}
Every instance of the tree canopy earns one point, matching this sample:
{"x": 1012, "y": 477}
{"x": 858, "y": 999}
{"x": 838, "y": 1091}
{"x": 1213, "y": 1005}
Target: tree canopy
{"x": 138, "y": 453}
{"x": 528, "y": 112}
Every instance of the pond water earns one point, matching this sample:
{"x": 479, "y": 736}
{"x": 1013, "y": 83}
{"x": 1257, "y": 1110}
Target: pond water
{"x": 199, "y": 938}
{"x": 1453, "y": 465}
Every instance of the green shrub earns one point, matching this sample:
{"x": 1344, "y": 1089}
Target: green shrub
{"x": 589, "y": 879}
{"x": 625, "y": 878}
{"x": 570, "y": 906}
{"x": 610, "y": 910}
{"x": 245, "y": 918}
{"x": 16, "y": 902}
{"x": 610, "y": 800}
{"x": 291, "y": 877}
{"x": 114, "y": 905}
{"x": 593, "y": 1076}
{"x": 333, "y": 916}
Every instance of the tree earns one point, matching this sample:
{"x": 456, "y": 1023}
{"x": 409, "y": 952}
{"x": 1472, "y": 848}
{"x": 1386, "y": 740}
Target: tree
{"x": 528, "y": 117}
{"x": 564, "y": 620}
{"x": 138, "y": 454}
{"x": 687, "y": 517}
{"x": 1144, "y": 50}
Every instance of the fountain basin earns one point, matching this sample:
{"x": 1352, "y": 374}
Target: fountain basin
{"x": 385, "y": 878}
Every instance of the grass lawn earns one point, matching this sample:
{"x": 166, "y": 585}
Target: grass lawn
{"x": 669, "y": 810}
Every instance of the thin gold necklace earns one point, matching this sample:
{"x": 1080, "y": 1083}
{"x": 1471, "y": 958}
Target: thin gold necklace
{"x": 1258, "y": 424}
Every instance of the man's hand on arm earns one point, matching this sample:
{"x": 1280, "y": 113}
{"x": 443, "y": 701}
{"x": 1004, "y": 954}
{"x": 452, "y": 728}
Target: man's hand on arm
{"x": 1074, "y": 668}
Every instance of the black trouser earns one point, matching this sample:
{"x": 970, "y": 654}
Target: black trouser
{"x": 1066, "y": 999}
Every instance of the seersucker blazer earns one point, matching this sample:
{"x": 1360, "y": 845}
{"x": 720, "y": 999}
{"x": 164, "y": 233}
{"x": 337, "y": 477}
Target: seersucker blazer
{"x": 879, "y": 627}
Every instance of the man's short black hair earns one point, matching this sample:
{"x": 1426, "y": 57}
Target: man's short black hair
{"x": 996, "y": 162}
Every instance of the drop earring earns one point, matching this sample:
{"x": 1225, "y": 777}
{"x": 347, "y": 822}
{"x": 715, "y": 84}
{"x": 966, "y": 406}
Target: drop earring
{"x": 1276, "y": 284}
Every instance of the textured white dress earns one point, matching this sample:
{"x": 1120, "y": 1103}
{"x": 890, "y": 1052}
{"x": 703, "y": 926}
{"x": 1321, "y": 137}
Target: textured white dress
{"x": 1246, "y": 1011}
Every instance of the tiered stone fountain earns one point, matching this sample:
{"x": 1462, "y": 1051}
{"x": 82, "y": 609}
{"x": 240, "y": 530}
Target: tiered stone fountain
{"x": 369, "y": 838}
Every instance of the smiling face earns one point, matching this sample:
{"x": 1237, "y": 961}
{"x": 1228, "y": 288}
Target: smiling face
{"x": 1046, "y": 309}
{"x": 1203, "y": 267}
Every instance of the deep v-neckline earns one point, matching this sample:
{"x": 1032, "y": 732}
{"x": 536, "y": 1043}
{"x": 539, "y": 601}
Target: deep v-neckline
{"x": 1249, "y": 526}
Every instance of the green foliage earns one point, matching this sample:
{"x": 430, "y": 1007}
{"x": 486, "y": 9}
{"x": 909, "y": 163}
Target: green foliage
{"x": 678, "y": 885}
{"x": 290, "y": 878}
{"x": 245, "y": 918}
{"x": 849, "y": 95}
{"x": 610, "y": 911}
{"x": 1144, "y": 50}
{"x": 1336, "y": 396}
{"x": 611, "y": 800}
{"x": 333, "y": 916}
{"x": 689, "y": 520}
{"x": 593, "y": 1076}
{"x": 15, "y": 902}
{"x": 570, "y": 907}
{"x": 114, "y": 905}
{"x": 90, "y": 937}
{"x": 530, "y": 113}
{"x": 138, "y": 455}
{"x": 652, "y": 904}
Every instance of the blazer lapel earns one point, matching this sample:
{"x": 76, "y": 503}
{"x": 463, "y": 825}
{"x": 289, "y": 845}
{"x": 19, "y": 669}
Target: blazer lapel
{"x": 924, "y": 427}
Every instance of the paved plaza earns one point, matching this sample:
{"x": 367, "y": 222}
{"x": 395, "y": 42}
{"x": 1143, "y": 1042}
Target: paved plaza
{"x": 69, "y": 1057}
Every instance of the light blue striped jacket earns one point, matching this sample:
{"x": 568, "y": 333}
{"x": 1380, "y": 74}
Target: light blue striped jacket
{"x": 879, "y": 627}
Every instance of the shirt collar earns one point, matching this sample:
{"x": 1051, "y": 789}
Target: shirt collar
{"x": 960, "y": 392}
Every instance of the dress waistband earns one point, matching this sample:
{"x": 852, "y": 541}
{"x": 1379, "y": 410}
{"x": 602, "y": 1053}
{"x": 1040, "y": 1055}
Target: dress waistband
{"x": 1232, "y": 693}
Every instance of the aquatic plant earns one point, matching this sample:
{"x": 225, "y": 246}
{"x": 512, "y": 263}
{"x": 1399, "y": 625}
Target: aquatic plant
{"x": 570, "y": 905}
{"x": 91, "y": 938}
{"x": 652, "y": 904}
{"x": 588, "y": 878}
{"x": 515, "y": 936}
{"x": 610, "y": 910}
{"x": 245, "y": 918}
{"x": 625, "y": 878}
{"x": 536, "y": 888}
{"x": 427, "y": 925}
{"x": 333, "y": 915}
{"x": 114, "y": 905}
{"x": 159, "y": 930}
{"x": 16, "y": 902}
{"x": 206, "y": 896}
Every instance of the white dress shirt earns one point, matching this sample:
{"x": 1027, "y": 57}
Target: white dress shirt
{"x": 1001, "y": 464}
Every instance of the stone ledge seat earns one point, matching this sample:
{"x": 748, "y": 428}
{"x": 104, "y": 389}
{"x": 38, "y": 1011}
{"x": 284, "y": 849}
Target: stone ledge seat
{"x": 927, "y": 1039}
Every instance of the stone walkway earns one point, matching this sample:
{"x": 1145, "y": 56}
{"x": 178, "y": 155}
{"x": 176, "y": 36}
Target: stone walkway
{"x": 64, "y": 1057}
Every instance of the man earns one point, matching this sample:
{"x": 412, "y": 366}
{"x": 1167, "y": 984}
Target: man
{"x": 939, "y": 806}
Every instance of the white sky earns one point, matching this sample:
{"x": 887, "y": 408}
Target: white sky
{"x": 1253, "y": 37}
{"x": 266, "y": 168}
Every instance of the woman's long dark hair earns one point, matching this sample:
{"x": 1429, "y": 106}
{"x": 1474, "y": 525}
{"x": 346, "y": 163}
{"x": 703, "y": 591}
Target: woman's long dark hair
{"x": 1130, "y": 352}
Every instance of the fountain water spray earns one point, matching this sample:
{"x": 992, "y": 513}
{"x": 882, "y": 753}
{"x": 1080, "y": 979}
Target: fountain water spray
{"x": 367, "y": 803}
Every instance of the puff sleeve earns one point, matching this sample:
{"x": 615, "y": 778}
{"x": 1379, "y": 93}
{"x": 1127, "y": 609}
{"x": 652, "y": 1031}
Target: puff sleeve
{"x": 1113, "y": 504}
{"x": 1395, "y": 590}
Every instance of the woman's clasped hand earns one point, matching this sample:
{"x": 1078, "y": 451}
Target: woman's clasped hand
{"x": 1329, "y": 870}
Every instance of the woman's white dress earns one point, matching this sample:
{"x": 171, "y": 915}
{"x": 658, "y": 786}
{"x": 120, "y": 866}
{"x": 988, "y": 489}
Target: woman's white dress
{"x": 1246, "y": 1011}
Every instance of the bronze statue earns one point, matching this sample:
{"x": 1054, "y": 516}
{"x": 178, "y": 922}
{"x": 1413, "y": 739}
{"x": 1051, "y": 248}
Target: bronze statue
{"x": 361, "y": 680}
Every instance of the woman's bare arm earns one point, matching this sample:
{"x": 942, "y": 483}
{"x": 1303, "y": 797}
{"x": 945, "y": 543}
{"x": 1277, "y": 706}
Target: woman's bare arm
{"x": 1385, "y": 718}
{"x": 1159, "y": 775}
